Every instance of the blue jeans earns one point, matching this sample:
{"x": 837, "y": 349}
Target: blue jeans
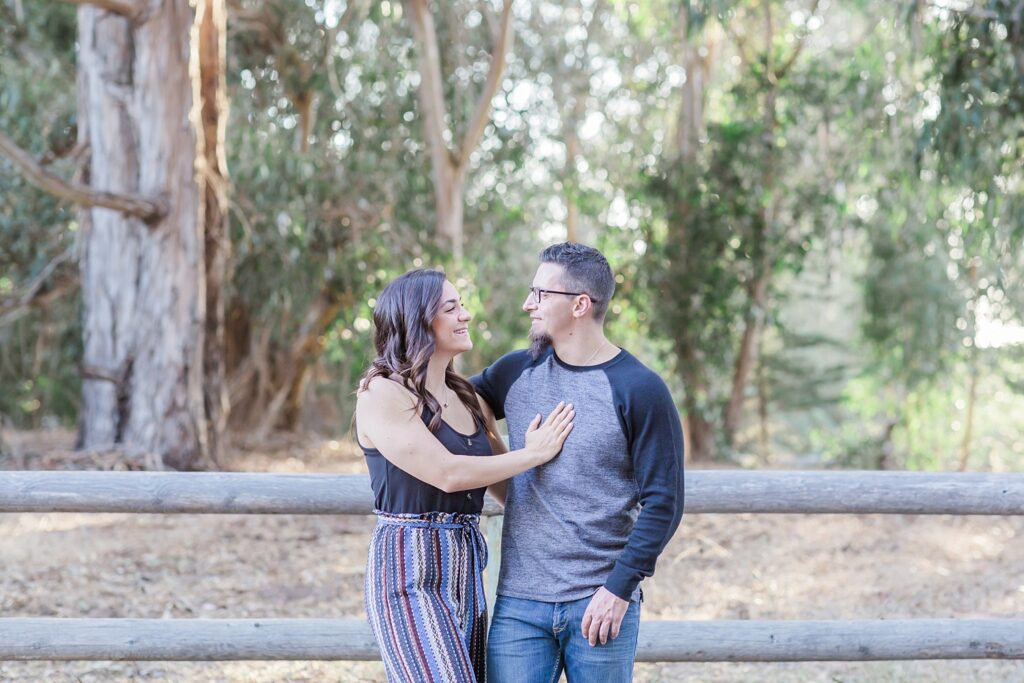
{"x": 532, "y": 642}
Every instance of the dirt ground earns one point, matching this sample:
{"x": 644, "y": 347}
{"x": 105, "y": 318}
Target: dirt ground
{"x": 717, "y": 567}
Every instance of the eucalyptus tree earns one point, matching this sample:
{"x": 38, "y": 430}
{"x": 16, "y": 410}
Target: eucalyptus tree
{"x": 327, "y": 188}
{"x": 149, "y": 115}
{"x": 953, "y": 268}
{"x": 451, "y": 147}
{"x": 977, "y": 137}
{"x": 742, "y": 192}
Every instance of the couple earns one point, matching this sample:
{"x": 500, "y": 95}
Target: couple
{"x": 581, "y": 529}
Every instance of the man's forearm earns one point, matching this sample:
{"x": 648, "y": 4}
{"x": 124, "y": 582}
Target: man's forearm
{"x": 659, "y": 518}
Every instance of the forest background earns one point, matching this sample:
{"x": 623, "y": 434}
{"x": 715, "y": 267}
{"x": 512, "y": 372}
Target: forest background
{"x": 814, "y": 210}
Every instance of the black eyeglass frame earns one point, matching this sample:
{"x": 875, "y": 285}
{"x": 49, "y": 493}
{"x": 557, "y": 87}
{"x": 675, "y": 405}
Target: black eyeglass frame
{"x": 538, "y": 292}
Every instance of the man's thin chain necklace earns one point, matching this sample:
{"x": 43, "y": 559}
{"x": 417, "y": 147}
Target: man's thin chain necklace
{"x": 594, "y": 354}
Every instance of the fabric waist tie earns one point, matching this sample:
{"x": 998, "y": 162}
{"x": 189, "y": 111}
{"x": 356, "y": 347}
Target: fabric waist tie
{"x": 468, "y": 524}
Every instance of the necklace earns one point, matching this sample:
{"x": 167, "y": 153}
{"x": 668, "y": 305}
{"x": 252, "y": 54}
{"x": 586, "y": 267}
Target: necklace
{"x": 587, "y": 361}
{"x": 444, "y": 406}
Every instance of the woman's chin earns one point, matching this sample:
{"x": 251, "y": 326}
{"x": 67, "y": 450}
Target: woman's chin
{"x": 461, "y": 346}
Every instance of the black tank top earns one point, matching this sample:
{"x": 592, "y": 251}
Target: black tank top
{"x": 398, "y": 492}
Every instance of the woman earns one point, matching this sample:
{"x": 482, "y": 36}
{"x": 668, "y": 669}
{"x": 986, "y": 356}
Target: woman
{"x": 423, "y": 431}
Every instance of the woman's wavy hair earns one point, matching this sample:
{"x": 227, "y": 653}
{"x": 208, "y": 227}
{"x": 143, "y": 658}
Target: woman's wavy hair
{"x": 404, "y": 341}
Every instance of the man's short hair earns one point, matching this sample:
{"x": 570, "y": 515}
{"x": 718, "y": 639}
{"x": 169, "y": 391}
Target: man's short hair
{"x": 586, "y": 270}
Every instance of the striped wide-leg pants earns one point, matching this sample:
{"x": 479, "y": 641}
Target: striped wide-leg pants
{"x": 425, "y": 596}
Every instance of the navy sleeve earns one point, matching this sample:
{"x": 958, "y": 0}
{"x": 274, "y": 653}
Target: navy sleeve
{"x": 655, "y": 441}
{"x": 494, "y": 382}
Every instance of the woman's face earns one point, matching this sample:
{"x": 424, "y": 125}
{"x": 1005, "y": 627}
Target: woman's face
{"x": 451, "y": 324}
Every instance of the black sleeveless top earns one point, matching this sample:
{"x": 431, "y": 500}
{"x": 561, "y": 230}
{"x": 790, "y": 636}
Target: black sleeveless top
{"x": 398, "y": 492}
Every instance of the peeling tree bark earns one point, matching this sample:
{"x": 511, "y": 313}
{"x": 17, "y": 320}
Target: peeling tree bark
{"x": 213, "y": 170}
{"x": 111, "y": 240}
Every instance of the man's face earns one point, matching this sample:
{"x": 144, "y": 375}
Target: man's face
{"x": 550, "y": 316}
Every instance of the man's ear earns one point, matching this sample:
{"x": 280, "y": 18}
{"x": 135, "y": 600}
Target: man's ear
{"x": 582, "y": 306}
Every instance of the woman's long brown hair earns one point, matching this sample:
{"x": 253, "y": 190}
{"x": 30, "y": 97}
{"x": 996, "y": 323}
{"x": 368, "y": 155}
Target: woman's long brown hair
{"x": 404, "y": 341}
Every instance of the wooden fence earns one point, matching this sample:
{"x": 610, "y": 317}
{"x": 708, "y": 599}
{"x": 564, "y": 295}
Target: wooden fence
{"x": 660, "y": 641}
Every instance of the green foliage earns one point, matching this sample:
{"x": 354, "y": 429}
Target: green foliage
{"x": 977, "y": 134}
{"x": 945, "y": 230}
{"x": 876, "y": 186}
{"x": 37, "y": 110}
{"x": 913, "y": 307}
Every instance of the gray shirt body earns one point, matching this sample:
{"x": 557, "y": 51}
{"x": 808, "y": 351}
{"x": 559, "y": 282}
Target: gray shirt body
{"x": 568, "y": 522}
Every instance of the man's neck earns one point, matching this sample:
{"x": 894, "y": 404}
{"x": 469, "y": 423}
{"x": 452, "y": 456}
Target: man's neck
{"x": 584, "y": 345}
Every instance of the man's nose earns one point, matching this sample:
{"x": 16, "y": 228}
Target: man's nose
{"x": 529, "y": 304}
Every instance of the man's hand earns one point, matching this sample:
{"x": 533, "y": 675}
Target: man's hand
{"x": 603, "y": 616}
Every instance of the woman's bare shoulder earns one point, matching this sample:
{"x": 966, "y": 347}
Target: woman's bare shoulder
{"x": 385, "y": 392}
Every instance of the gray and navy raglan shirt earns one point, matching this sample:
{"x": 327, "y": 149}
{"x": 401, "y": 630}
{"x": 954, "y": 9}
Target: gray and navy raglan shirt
{"x": 602, "y": 511}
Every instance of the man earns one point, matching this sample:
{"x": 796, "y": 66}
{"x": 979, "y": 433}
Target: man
{"x": 583, "y": 530}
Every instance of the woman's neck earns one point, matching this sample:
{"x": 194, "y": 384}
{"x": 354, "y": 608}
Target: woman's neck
{"x": 436, "y": 367}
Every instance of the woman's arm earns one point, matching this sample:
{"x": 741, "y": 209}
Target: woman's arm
{"x": 387, "y": 418}
{"x": 500, "y": 488}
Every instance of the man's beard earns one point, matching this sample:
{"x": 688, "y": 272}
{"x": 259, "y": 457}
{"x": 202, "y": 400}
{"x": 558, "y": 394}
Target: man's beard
{"x": 539, "y": 343}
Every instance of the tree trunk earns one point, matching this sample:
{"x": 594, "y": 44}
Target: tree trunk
{"x": 143, "y": 285}
{"x": 700, "y": 434}
{"x": 448, "y": 190}
{"x": 762, "y": 408}
{"x": 213, "y": 168}
{"x": 699, "y": 431}
{"x": 691, "y": 114}
{"x": 305, "y": 348}
{"x": 449, "y": 165}
{"x": 746, "y": 357}
{"x": 111, "y": 241}
{"x": 304, "y": 103}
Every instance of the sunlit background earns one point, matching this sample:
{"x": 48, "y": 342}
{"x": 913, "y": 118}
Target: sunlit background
{"x": 814, "y": 209}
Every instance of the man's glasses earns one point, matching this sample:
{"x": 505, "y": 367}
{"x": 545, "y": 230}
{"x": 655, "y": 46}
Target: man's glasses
{"x": 536, "y": 293}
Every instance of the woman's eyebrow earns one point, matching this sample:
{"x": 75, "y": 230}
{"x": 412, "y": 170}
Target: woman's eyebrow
{"x": 449, "y": 301}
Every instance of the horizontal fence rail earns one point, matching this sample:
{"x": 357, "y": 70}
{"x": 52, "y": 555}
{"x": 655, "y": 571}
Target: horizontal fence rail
{"x": 659, "y": 641}
{"x": 707, "y": 491}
